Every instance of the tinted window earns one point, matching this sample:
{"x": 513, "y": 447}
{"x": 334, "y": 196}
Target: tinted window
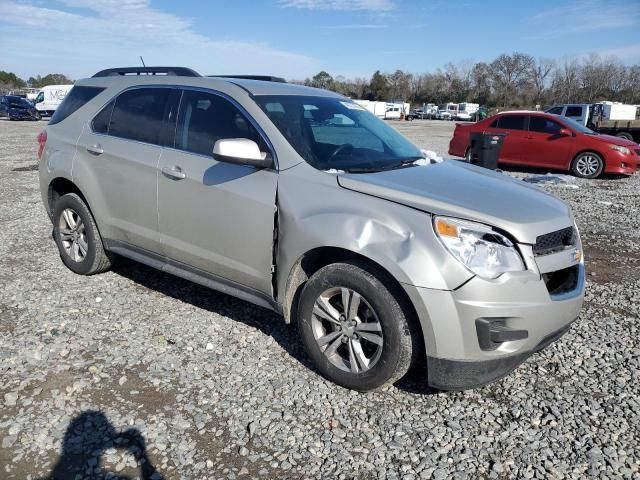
{"x": 511, "y": 122}
{"x": 75, "y": 99}
{"x": 544, "y": 125}
{"x": 205, "y": 118}
{"x": 573, "y": 112}
{"x": 138, "y": 114}
{"x": 100, "y": 123}
{"x": 555, "y": 110}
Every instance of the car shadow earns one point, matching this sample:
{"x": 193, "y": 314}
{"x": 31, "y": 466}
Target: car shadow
{"x": 87, "y": 438}
{"x": 266, "y": 321}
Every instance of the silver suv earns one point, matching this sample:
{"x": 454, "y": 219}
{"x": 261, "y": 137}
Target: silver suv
{"x": 300, "y": 201}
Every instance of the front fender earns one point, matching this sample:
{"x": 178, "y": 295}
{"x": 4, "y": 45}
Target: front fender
{"x": 314, "y": 212}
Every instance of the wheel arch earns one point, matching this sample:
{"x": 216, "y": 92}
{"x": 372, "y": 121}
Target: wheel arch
{"x": 60, "y": 186}
{"x": 588, "y": 150}
{"x": 317, "y": 258}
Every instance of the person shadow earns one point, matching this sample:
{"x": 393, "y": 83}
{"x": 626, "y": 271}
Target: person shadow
{"x": 87, "y": 438}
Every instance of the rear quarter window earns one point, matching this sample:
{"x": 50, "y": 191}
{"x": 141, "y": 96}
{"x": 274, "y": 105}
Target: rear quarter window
{"x": 75, "y": 99}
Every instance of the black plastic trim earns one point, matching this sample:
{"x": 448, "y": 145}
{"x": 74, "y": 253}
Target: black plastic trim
{"x": 446, "y": 374}
{"x": 172, "y": 71}
{"x": 193, "y": 274}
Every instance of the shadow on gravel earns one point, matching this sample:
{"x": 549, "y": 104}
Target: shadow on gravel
{"x": 216, "y": 302}
{"x": 264, "y": 320}
{"x": 87, "y": 437}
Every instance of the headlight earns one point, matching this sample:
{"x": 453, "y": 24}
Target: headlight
{"x": 478, "y": 247}
{"x": 621, "y": 149}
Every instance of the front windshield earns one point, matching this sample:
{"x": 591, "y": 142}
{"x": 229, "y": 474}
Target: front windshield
{"x": 18, "y": 101}
{"x": 331, "y": 133}
{"x": 571, "y": 123}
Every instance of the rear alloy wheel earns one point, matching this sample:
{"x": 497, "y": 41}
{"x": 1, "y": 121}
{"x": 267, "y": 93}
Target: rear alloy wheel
{"x": 354, "y": 329}
{"x": 467, "y": 155}
{"x": 77, "y": 237}
{"x": 588, "y": 165}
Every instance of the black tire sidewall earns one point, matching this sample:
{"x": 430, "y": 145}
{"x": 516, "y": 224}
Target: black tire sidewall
{"x": 595, "y": 175}
{"x": 74, "y": 202}
{"x": 389, "y": 313}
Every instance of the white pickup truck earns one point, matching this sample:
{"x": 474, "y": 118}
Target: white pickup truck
{"x": 608, "y": 118}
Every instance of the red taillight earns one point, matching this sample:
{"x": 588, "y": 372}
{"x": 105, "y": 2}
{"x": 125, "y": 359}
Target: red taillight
{"x": 42, "y": 139}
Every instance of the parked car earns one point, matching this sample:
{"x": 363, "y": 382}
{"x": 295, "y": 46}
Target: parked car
{"x": 303, "y": 202}
{"x": 463, "y": 116}
{"x": 444, "y": 115}
{"x": 539, "y": 139}
{"x": 17, "y": 108}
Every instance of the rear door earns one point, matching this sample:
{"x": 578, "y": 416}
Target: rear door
{"x": 215, "y": 216}
{"x": 577, "y": 113}
{"x": 514, "y": 126}
{"x": 120, "y": 153}
{"x": 545, "y": 146}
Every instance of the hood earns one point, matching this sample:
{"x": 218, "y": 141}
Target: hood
{"x": 623, "y": 142}
{"x": 465, "y": 191}
{"x": 20, "y": 106}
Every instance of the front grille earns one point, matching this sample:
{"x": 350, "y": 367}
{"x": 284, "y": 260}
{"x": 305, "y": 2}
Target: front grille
{"x": 554, "y": 241}
{"x": 562, "y": 281}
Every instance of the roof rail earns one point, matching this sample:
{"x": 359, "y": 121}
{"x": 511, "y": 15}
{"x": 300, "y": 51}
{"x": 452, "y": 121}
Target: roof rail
{"x": 173, "y": 71}
{"x": 265, "y": 78}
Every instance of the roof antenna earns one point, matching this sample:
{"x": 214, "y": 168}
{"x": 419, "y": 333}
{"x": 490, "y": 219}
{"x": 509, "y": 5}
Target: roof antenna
{"x": 142, "y": 62}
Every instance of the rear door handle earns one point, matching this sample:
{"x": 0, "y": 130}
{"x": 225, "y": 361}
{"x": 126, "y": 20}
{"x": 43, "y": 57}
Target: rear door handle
{"x": 95, "y": 149}
{"x": 174, "y": 172}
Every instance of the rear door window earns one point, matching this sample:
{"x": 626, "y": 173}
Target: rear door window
{"x": 511, "y": 122}
{"x": 76, "y": 98}
{"x": 544, "y": 125}
{"x": 204, "y": 118}
{"x": 573, "y": 111}
{"x": 138, "y": 114}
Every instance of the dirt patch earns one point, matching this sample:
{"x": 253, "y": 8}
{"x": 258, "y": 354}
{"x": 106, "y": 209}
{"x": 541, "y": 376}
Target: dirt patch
{"x": 28, "y": 168}
{"x": 603, "y": 265}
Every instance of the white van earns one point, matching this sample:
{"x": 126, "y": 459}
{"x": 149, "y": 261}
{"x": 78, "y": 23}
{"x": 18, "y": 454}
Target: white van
{"x": 50, "y": 97}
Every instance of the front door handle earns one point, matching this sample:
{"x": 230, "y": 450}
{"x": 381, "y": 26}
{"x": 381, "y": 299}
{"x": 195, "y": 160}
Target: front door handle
{"x": 174, "y": 172}
{"x": 95, "y": 149}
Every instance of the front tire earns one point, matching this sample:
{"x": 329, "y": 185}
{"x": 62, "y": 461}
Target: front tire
{"x": 587, "y": 165}
{"x": 77, "y": 237}
{"x": 353, "y": 328}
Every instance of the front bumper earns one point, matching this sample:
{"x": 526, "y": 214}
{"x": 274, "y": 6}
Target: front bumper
{"x": 618, "y": 163}
{"x": 519, "y": 301}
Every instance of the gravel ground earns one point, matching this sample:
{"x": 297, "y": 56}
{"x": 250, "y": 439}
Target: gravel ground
{"x": 135, "y": 367}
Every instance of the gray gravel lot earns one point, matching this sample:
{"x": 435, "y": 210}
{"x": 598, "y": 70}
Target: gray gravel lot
{"x": 135, "y": 366}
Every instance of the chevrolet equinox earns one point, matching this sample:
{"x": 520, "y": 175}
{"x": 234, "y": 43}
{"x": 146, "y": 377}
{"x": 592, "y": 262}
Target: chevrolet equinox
{"x": 298, "y": 200}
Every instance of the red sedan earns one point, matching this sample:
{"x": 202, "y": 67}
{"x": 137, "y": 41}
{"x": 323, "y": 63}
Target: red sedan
{"x": 539, "y": 139}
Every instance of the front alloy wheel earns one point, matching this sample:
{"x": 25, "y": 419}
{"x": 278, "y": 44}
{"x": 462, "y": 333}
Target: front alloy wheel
{"x": 588, "y": 165}
{"x": 347, "y": 330}
{"x": 354, "y": 328}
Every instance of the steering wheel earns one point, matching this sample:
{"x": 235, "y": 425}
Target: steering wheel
{"x": 342, "y": 148}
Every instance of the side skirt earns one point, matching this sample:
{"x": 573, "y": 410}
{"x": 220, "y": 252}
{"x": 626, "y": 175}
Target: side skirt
{"x": 193, "y": 274}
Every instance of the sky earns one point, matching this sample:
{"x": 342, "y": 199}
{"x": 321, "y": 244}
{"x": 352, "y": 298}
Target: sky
{"x": 298, "y": 38}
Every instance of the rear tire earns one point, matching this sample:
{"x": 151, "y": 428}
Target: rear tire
{"x": 77, "y": 237}
{"x": 362, "y": 346}
{"x": 625, "y": 135}
{"x": 587, "y": 165}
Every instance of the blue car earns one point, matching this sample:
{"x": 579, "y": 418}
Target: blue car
{"x": 17, "y": 108}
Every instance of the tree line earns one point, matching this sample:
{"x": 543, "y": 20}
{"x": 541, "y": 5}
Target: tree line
{"x": 9, "y": 81}
{"x": 513, "y": 80}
